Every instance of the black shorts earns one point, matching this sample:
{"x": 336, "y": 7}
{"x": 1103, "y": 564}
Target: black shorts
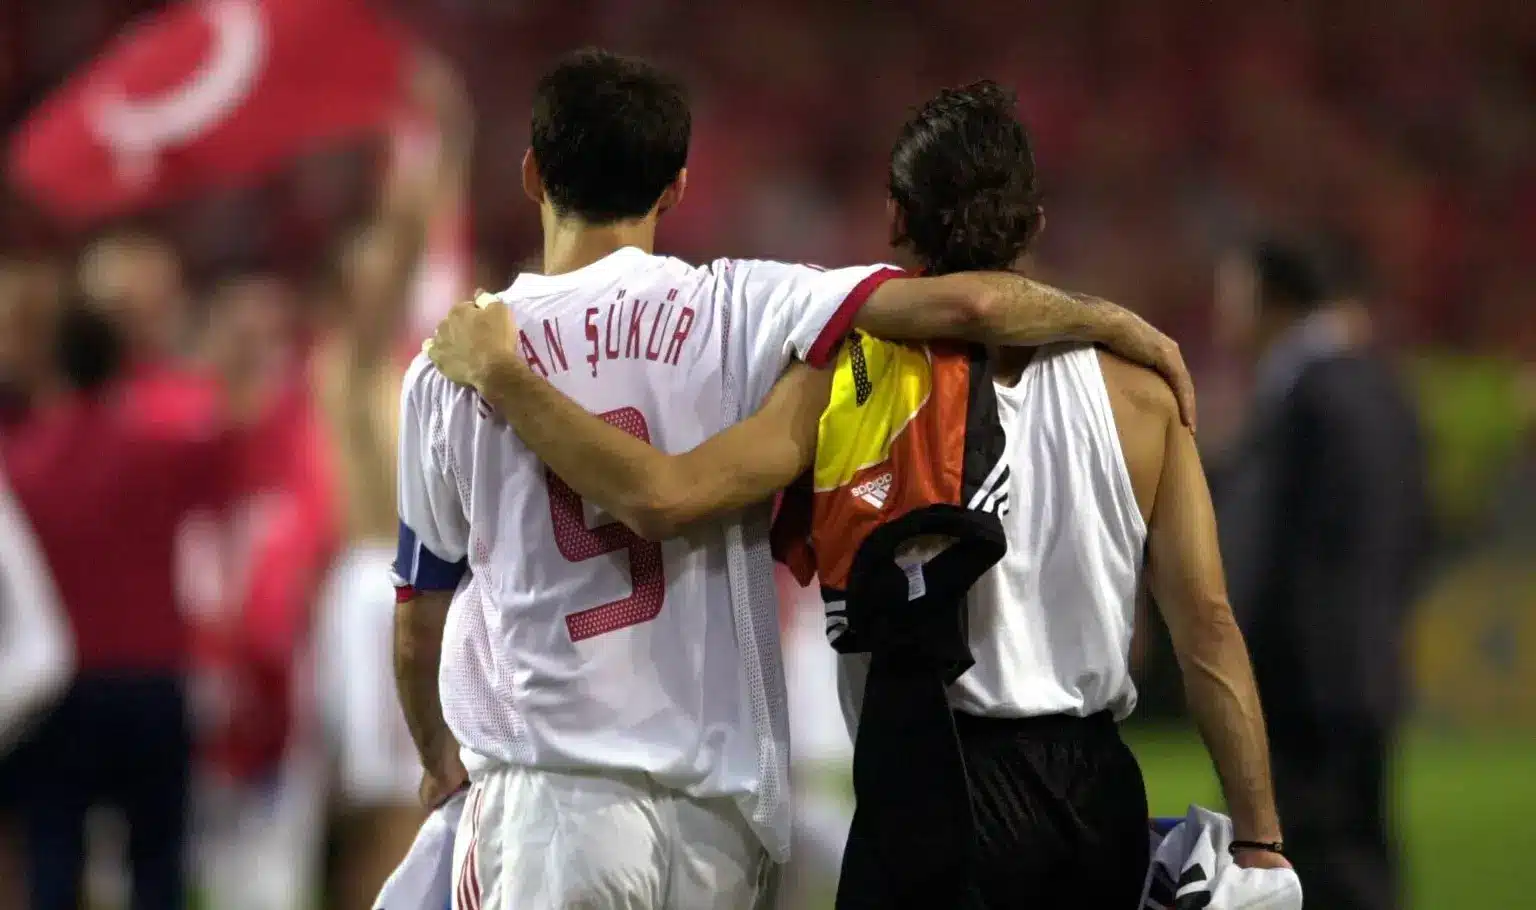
{"x": 1061, "y": 813}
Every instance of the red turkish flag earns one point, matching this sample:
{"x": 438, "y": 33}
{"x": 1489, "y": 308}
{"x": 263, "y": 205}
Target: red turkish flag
{"x": 205, "y": 94}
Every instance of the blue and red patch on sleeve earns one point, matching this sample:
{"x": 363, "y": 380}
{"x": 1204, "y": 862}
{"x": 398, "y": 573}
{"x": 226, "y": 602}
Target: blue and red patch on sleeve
{"x": 418, "y": 569}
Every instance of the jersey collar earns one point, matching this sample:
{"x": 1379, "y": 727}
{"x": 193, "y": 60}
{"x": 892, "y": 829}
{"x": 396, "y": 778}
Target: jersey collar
{"x": 532, "y": 284}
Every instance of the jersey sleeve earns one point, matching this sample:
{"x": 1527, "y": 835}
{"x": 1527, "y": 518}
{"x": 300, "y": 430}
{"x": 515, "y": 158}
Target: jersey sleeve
{"x": 434, "y": 531}
{"x": 800, "y": 311}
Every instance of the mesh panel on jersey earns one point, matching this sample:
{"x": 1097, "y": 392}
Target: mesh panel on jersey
{"x": 477, "y": 700}
{"x": 754, "y": 607}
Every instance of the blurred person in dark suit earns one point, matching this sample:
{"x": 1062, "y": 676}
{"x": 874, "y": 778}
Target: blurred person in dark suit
{"x": 1324, "y": 520}
{"x": 107, "y": 473}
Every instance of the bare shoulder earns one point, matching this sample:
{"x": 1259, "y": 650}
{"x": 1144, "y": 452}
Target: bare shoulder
{"x": 1137, "y": 386}
{"x": 1144, "y": 406}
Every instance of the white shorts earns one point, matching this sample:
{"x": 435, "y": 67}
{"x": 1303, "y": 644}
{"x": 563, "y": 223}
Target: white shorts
{"x": 543, "y": 840}
{"x": 376, "y": 762}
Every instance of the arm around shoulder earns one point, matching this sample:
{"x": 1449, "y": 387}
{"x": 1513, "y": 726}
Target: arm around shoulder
{"x": 1008, "y": 310}
{"x": 998, "y": 308}
{"x": 655, "y": 494}
{"x": 744, "y": 464}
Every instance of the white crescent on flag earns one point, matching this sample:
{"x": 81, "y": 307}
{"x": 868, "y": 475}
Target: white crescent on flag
{"x": 138, "y": 129}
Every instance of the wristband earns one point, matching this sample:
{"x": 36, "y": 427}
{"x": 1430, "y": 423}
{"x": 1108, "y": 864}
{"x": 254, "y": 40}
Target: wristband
{"x": 1266, "y": 846}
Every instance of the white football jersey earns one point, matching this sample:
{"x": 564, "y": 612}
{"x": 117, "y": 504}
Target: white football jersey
{"x": 572, "y": 643}
{"x": 1051, "y": 623}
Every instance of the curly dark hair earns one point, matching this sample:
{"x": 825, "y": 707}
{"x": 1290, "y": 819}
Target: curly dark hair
{"x": 963, "y": 180}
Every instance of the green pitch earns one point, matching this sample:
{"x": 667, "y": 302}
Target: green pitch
{"x": 1467, "y": 811}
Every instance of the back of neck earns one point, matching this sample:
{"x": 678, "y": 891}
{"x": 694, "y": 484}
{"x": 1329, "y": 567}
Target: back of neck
{"x": 570, "y": 244}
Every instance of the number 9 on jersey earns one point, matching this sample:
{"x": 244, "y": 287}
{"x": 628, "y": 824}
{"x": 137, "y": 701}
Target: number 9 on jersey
{"x": 578, "y": 543}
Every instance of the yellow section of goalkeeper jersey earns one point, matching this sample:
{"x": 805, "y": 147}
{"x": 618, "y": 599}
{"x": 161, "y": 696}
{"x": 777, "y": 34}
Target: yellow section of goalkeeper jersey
{"x": 897, "y": 380}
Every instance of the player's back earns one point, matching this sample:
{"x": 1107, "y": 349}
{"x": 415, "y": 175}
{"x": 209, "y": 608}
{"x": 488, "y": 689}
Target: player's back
{"x": 573, "y": 644}
{"x": 1051, "y": 624}
{"x": 576, "y": 644}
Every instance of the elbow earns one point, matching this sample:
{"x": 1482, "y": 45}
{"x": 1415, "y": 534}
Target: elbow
{"x": 974, "y": 310}
{"x": 1200, "y": 624}
{"x": 663, "y": 507}
{"x": 411, "y": 645}
{"x": 658, "y": 518}
{"x": 1212, "y": 634}
{"x": 419, "y": 625}
{"x": 653, "y": 528}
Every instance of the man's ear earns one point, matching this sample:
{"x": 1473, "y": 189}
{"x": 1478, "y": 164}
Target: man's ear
{"x": 897, "y": 222}
{"x": 672, "y": 195}
{"x": 1036, "y": 229}
{"x": 533, "y": 182}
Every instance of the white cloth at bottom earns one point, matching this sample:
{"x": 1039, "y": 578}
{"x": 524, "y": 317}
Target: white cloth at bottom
{"x": 1191, "y": 868}
{"x": 545, "y": 840}
{"x": 258, "y": 844}
{"x": 375, "y": 759}
{"x": 424, "y": 879}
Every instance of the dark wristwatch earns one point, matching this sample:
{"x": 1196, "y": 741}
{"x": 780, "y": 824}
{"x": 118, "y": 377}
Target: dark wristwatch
{"x": 1270, "y": 846}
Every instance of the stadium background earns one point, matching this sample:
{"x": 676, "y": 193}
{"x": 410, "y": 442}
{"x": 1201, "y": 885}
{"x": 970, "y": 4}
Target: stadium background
{"x": 1167, "y": 131}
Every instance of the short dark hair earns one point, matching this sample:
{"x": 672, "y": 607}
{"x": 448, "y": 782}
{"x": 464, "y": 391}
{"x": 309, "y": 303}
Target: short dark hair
{"x": 1288, "y": 275}
{"x": 610, "y": 134}
{"x": 963, "y": 178}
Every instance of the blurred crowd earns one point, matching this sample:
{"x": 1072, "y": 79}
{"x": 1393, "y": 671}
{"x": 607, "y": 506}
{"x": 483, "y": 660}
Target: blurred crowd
{"x": 1165, "y": 129}
{"x": 258, "y": 332}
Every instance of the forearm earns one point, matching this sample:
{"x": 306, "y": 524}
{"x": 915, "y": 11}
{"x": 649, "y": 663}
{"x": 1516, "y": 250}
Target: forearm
{"x": 606, "y": 466}
{"x": 995, "y": 308}
{"x": 1224, "y": 701}
{"x": 418, "y": 650}
{"x": 1022, "y": 312}
{"x": 654, "y": 494}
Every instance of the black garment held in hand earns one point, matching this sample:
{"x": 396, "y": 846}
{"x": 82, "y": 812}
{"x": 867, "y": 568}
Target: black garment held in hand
{"x": 913, "y": 838}
{"x": 913, "y": 480}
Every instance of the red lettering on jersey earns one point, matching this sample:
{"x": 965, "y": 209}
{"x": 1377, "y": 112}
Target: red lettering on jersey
{"x": 632, "y": 341}
{"x": 652, "y": 349}
{"x": 592, "y": 338}
{"x": 529, "y": 354}
{"x": 679, "y": 335}
{"x": 554, "y": 346}
{"x": 610, "y": 340}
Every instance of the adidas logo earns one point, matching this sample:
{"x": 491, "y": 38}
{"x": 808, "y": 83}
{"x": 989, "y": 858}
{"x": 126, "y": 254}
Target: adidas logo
{"x": 993, "y": 495}
{"x": 874, "y": 491}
